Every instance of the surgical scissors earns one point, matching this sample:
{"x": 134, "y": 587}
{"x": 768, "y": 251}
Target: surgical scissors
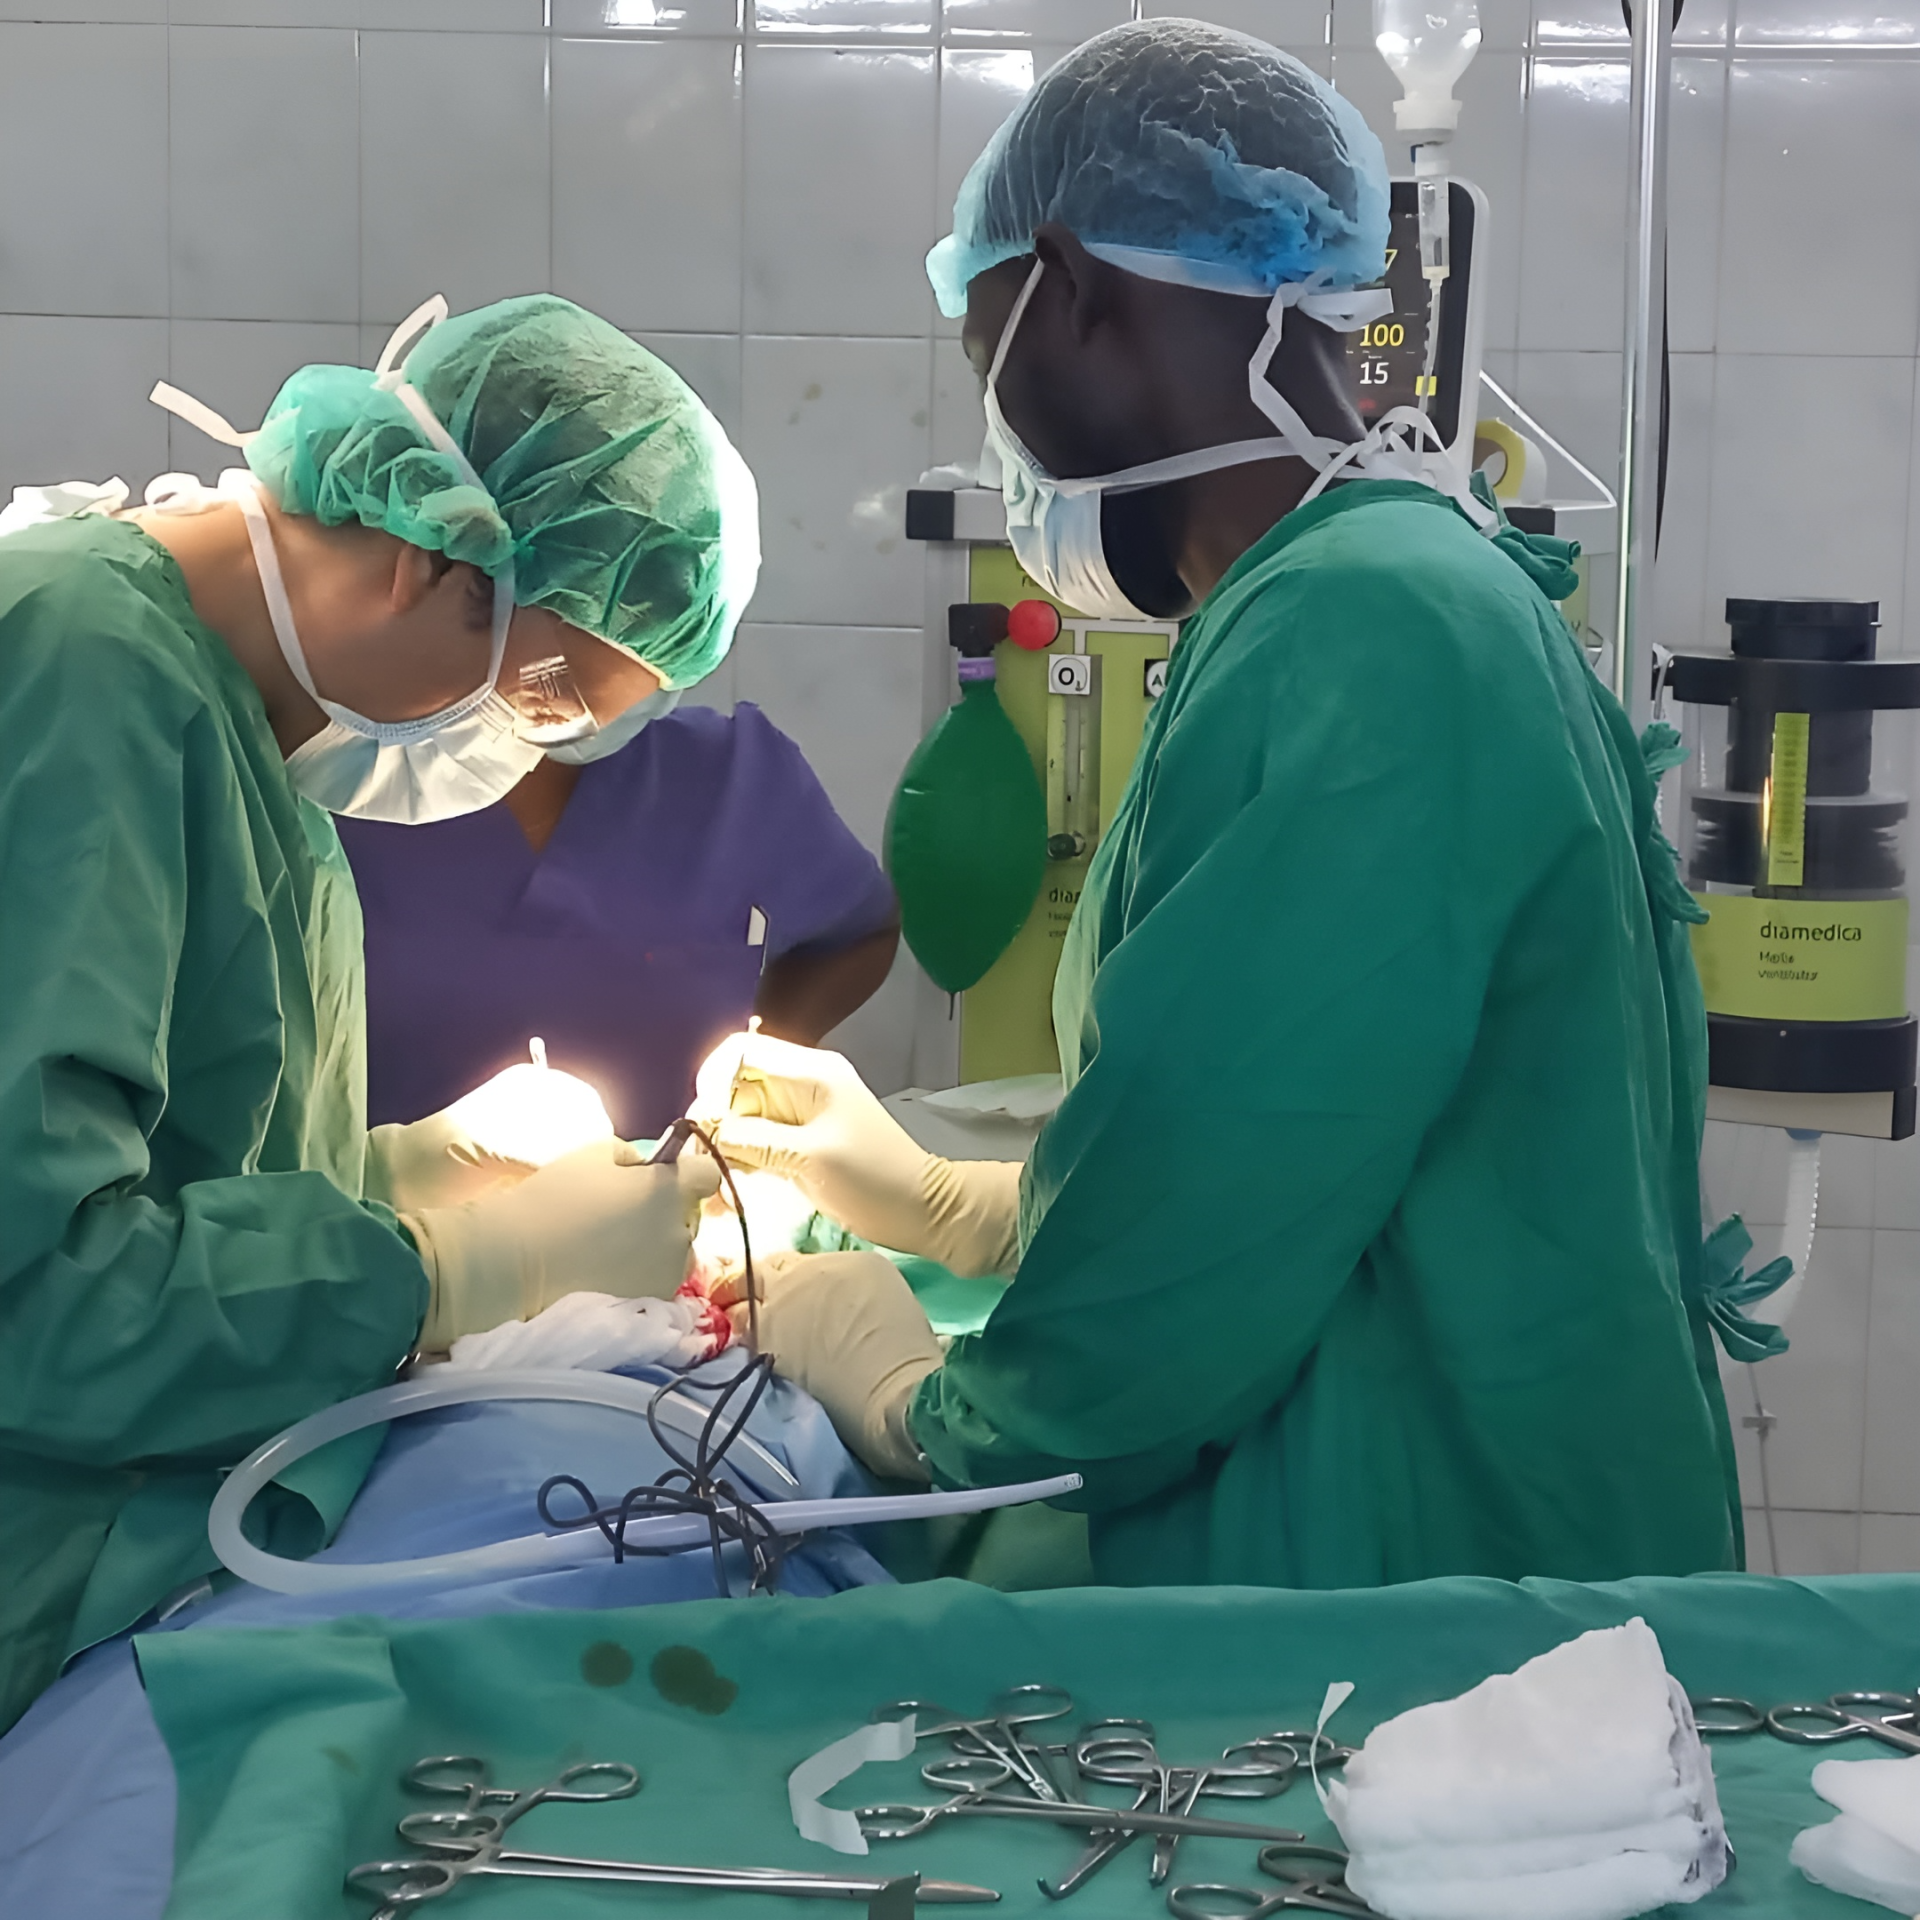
{"x": 1887, "y": 1717}
{"x": 1317, "y": 1889}
{"x": 999, "y": 1734}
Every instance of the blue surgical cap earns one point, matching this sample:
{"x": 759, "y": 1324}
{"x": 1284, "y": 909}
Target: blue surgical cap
{"x": 1185, "y": 152}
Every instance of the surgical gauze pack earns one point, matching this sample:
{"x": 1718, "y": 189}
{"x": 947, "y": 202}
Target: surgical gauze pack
{"x": 1576, "y": 1788}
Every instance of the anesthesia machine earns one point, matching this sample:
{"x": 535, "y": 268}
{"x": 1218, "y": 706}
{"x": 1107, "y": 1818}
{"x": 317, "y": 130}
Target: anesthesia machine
{"x": 1076, "y": 692}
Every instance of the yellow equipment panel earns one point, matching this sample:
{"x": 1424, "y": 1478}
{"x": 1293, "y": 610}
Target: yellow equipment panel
{"x": 1006, "y": 1020}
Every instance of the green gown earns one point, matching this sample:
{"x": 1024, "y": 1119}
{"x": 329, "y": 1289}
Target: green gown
{"x": 185, "y": 1263}
{"x": 1365, "y": 1245}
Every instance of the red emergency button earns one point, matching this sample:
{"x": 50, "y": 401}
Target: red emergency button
{"x": 1033, "y": 624}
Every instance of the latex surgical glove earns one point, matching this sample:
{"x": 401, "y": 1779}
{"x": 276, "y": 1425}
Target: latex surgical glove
{"x": 435, "y": 1162}
{"x": 847, "y": 1328}
{"x": 597, "y": 1220}
{"x": 806, "y": 1114}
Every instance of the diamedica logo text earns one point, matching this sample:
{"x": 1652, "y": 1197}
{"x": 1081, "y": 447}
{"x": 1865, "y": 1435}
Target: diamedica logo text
{"x": 1829, "y": 930}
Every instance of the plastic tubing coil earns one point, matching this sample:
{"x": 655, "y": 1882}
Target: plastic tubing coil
{"x": 534, "y": 1552}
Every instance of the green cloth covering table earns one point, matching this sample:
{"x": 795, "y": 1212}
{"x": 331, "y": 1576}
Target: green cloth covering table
{"x": 289, "y": 1743}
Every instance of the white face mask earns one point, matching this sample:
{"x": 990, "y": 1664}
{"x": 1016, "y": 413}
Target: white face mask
{"x": 1054, "y": 524}
{"x": 410, "y": 772}
{"x": 617, "y": 733}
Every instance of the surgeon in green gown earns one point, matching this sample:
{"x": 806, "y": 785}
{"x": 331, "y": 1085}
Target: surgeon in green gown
{"x": 1366, "y": 1242}
{"x": 198, "y": 1242}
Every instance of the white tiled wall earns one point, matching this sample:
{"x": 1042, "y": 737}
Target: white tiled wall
{"x": 213, "y": 191}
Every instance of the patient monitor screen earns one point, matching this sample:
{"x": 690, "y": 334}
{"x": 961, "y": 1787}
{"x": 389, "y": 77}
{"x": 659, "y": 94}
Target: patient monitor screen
{"x": 1387, "y": 356}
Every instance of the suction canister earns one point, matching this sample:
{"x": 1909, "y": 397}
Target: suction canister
{"x": 1796, "y": 839}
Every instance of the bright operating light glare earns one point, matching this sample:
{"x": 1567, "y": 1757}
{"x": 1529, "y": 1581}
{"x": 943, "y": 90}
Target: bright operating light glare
{"x": 533, "y": 1113}
{"x": 778, "y": 1214}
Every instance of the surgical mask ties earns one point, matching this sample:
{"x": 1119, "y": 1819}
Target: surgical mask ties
{"x": 1054, "y": 525}
{"x": 465, "y": 756}
{"x": 1392, "y": 450}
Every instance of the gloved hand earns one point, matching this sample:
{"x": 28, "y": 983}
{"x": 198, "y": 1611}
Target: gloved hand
{"x": 805, "y": 1113}
{"x": 435, "y": 1162}
{"x": 596, "y": 1220}
{"x": 846, "y": 1327}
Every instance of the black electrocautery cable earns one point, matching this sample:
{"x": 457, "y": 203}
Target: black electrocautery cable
{"x": 696, "y": 1483}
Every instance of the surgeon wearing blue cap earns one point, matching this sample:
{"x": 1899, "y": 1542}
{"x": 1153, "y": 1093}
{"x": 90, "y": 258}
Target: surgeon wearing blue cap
{"x": 1365, "y": 1245}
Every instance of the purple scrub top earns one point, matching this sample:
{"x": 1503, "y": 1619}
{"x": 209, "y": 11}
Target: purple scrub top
{"x": 624, "y": 943}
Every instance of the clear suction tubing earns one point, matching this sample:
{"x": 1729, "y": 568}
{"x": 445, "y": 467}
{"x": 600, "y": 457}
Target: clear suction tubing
{"x": 535, "y": 1552}
{"x": 1428, "y": 45}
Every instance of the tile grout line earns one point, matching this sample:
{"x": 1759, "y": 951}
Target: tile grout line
{"x": 546, "y": 72}
{"x": 167, "y": 31}
{"x": 935, "y": 222}
{"x": 1720, "y": 225}
{"x": 359, "y": 185}
{"x": 1701, "y": 637}
{"x": 740, "y": 81}
{"x": 1866, "y": 1409}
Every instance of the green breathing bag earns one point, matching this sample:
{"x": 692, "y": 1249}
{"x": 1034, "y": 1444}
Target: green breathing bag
{"x": 966, "y": 836}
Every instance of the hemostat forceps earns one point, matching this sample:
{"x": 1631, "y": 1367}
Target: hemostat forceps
{"x": 470, "y": 1840}
{"x": 1123, "y": 1752}
{"x": 1891, "y": 1718}
{"x": 980, "y": 1790}
{"x": 999, "y": 1734}
{"x": 1313, "y": 1884}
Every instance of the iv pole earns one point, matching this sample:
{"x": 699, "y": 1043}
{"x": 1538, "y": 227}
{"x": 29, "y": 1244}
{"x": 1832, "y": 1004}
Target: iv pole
{"x": 1640, "y": 400}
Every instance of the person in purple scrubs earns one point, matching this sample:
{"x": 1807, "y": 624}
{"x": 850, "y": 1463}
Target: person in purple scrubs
{"x": 632, "y": 901}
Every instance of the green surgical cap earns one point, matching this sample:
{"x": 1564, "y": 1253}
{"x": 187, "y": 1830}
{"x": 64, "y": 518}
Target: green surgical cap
{"x": 609, "y": 488}
{"x": 1185, "y": 152}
